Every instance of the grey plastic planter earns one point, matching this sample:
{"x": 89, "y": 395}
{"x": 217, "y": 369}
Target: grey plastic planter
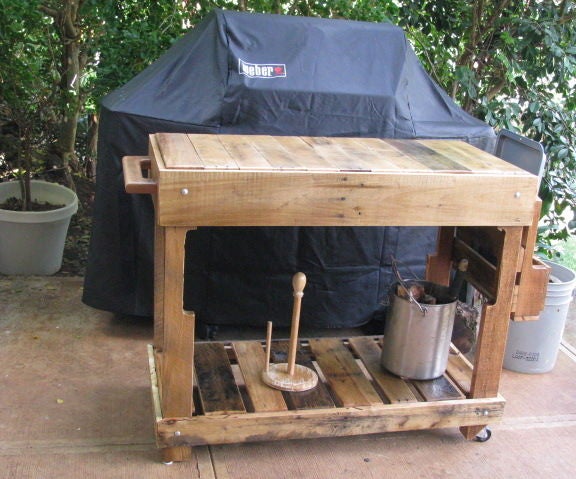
{"x": 32, "y": 242}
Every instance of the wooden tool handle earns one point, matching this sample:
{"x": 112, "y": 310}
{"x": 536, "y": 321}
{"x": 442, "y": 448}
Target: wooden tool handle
{"x": 134, "y": 180}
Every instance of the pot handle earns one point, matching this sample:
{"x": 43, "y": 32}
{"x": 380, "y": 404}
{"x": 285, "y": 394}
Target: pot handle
{"x": 134, "y": 180}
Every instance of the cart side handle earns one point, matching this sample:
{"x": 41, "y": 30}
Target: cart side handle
{"x": 134, "y": 179}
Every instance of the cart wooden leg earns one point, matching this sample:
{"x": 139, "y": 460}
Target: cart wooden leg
{"x": 494, "y": 326}
{"x": 439, "y": 265}
{"x": 159, "y": 268}
{"x": 176, "y": 454}
{"x": 175, "y": 336}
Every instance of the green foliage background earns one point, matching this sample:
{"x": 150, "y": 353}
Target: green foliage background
{"x": 511, "y": 63}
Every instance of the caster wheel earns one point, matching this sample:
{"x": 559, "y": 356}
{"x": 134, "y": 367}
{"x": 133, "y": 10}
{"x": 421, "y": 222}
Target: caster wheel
{"x": 484, "y": 435}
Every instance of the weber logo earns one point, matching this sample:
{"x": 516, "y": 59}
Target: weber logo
{"x": 257, "y": 70}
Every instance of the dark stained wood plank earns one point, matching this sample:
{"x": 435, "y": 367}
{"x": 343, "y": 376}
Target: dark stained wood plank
{"x": 439, "y": 389}
{"x": 319, "y": 397}
{"x": 217, "y": 388}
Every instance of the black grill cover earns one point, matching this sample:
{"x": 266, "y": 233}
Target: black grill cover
{"x": 240, "y": 73}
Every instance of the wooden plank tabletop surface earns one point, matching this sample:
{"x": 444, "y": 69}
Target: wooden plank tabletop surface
{"x": 265, "y": 153}
{"x": 256, "y": 180}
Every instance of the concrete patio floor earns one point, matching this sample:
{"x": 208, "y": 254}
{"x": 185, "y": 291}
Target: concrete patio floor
{"x": 75, "y": 403}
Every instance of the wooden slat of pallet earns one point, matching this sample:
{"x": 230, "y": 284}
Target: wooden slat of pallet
{"x": 242, "y": 149}
{"x": 395, "y": 389}
{"x": 344, "y": 376}
{"x": 318, "y": 397}
{"x": 277, "y": 155}
{"x": 154, "y": 383}
{"x": 312, "y": 423}
{"x": 430, "y": 158}
{"x": 212, "y": 153}
{"x": 303, "y": 152}
{"x": 486, "y": 241}
{"x": 177, "y": 150}
{"x": 251, "y": 359}
{"x": 334, "y": 154}
{"x": 469, "y": 156}
{"x": 217, "y": 388}
{"x": 481, "y": 273}
{"x": 373, "y": 158}
{"x": 392, "y": 155}
{"x": 459, "y": 369}
{"x": 439, "y": 389}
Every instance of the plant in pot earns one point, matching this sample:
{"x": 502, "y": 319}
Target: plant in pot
{"x": 34, "y": 214}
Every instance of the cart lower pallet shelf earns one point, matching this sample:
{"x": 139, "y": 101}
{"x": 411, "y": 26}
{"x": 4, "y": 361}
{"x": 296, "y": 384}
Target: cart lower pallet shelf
{"x": 354, "y": 396}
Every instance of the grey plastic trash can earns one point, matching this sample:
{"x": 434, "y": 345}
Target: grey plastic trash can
{"x": 532, "y": 346}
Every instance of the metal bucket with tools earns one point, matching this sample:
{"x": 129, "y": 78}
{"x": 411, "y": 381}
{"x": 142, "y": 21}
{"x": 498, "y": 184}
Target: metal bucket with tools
{"x": 417, "y": 335}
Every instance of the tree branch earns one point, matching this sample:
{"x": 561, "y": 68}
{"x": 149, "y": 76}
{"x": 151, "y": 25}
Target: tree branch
{"x": 51, "y": 12}
{"x": 479, "y": 32}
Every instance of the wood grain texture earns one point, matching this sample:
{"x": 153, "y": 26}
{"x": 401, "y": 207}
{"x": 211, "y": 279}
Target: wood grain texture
{"x": 347, "y": 381}
{"x": 178, "y": 351}
{"x": 494, "y": 322}
{"x": 264, "y": 152}
{"x": 315, "y": 423}
{"x": 439, "y": 389}
{"x": 209, "y": 180}
{"x": 283, "y": 181}
{"x": 251, "y": 359}
{"x": 459, "y": 369}
{"x": 217, "y": 389}
{"x": 532, "y": 281}
{"x": 395, "y": 389}
{"x": 316, "y": 398}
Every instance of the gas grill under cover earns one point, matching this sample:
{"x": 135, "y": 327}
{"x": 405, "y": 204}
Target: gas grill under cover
{"x": 241, "y": 73}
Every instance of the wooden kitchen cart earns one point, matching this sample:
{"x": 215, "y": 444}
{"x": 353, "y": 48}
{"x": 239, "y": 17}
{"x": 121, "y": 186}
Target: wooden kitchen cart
{"x": 211, "y": 393}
